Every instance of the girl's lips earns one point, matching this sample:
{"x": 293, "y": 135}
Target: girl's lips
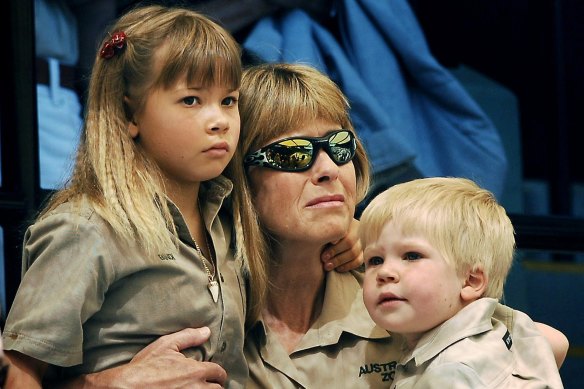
{"x": 326, "y": 199}
{"x": 220, "y": 146}
{"x": 217, "y": 150}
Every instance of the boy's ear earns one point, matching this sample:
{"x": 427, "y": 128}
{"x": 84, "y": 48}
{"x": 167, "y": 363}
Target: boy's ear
{"x": 474, "y": 285}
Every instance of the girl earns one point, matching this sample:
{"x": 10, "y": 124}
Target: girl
{"x": 138, "y": 244}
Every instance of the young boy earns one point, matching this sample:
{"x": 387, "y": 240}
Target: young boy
{"x": 437, "y": 252}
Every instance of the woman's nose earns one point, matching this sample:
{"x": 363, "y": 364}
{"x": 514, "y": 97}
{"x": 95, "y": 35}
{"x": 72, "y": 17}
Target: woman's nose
{"x": 324, "y": 168}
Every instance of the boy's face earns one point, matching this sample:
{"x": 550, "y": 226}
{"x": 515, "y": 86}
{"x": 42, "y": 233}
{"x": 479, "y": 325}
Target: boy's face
{"x": 409, "y": 288}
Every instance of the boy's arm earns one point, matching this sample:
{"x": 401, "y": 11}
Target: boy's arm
{"x": 24, "y": 371}
{"x": 557, "y": 340}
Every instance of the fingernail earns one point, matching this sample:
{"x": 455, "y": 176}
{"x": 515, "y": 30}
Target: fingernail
{"x": 329, "y": 266}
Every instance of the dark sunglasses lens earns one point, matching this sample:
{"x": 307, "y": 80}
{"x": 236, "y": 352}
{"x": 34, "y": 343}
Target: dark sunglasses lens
{"x": 291, "y": 154}
{"x": 342, "y": 146}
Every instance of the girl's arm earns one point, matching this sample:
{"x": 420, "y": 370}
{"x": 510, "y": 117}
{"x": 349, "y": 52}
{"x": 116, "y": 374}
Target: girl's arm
{"x": 24, "y": 371}
{"x": 557, "y": 340}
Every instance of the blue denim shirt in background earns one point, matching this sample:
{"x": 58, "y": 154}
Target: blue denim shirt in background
{"x": 406, "y": 107}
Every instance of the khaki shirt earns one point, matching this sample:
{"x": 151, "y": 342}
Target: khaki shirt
{"x": 88, "y": 302}
{"x": 343, "y": 348}
{"x": 472, "y": 350}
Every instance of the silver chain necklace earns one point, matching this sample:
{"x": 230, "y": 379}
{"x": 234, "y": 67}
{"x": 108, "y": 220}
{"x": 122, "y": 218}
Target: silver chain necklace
{"x": 213, "y": 285}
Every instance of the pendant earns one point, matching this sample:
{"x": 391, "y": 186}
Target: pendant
{"x": 214, "y": 289}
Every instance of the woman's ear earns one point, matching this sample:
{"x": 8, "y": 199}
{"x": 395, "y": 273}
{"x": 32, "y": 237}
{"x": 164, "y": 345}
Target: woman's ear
{"x": 133, "y": 128}
{"x": 474, "y": 285}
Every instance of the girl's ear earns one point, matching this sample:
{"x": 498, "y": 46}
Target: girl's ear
{"x": 133, "y": 128}
{"x": 474, "y": 285}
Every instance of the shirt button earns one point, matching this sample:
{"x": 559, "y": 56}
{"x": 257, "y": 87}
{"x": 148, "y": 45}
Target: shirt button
{"x": 223, "y": 346}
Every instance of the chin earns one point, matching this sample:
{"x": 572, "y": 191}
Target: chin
{"x": 334, "y": 235}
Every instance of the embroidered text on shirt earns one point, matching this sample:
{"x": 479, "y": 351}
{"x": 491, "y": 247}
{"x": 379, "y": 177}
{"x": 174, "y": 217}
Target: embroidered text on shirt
{"x": 166, "y": 257}
{"x": 385, "y": 370}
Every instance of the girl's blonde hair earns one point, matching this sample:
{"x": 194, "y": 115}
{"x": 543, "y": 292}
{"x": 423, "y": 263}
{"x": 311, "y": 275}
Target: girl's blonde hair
{"x": 275, "y": 99}
{"x": 111, "y": 171}
{"x": 463, "y": 221}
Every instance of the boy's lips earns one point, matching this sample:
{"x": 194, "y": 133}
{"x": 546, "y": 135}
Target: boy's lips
{"x": 389, "y": 297}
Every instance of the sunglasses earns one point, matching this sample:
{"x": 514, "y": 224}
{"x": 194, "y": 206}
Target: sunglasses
{"x": 298, "y": 154}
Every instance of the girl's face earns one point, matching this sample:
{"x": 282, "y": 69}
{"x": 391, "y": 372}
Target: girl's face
{"x": 313, "y": 206}
{"x": 190, "y": 131}
{"x": 409, "y": 288}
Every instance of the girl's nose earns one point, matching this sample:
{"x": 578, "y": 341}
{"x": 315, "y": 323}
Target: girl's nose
{"x": 218, "y": 120}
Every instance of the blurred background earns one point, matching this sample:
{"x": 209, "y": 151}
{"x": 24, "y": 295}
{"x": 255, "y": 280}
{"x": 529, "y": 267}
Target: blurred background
{"x": 520, "y": 61}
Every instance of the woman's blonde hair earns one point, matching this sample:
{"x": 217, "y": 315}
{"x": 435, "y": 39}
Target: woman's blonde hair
{"x": 124, "y": 185}
{"x": 463, "y": 221}
{"x": 274, "y": 100}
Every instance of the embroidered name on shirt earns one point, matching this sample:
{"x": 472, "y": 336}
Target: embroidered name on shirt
{"x": 385, "y": 370}
{"x": 508, "y": 341}
{"x": 166, "y": 257}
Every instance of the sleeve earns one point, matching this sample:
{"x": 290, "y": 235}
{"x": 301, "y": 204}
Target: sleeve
{"x": 66, "y": 274}
{"x": 452, "y": 375}
{"x": 533, "y": 353}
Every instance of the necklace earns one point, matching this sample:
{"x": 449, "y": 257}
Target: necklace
{"x": 213, "y": 285}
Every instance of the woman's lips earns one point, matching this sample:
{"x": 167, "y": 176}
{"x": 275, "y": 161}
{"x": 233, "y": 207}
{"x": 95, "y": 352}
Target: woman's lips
{"x": 326, "y": 200}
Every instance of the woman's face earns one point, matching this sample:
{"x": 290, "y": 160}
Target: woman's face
{"x": 313, "y": 206}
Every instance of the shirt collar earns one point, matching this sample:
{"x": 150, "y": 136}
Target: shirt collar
{"x": 472, "y": 320}
{"x": 213, "y": 194}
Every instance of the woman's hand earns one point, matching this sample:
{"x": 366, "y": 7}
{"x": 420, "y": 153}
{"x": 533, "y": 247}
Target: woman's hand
{"x": 160, "y": 365}
{"x": 346, "y": 254}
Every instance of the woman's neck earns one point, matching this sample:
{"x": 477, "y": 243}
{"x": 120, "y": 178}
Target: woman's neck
{"x": 296, "y": 294}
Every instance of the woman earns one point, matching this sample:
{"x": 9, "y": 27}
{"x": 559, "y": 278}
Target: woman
{"x": 305, "y": 172}
{"x": 313, "y": 330}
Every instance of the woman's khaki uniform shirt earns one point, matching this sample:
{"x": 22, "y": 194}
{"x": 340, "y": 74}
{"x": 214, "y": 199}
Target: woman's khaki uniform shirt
{"x": 344, "y": 348}
{"x": 88, "y": 302}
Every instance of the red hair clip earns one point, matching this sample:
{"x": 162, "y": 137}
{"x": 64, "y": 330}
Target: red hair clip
{"x": 113, "y": 45}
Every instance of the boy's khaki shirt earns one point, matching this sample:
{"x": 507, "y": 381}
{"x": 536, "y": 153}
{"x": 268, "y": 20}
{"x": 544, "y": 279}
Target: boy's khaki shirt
{"x": 472, "y": 350}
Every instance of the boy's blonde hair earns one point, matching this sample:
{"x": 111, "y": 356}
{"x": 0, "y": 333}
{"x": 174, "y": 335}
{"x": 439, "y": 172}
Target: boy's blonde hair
{"x": 463, "y": 221}
{"x": 274, "y": 100}
{"x": 124, "y": 185}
